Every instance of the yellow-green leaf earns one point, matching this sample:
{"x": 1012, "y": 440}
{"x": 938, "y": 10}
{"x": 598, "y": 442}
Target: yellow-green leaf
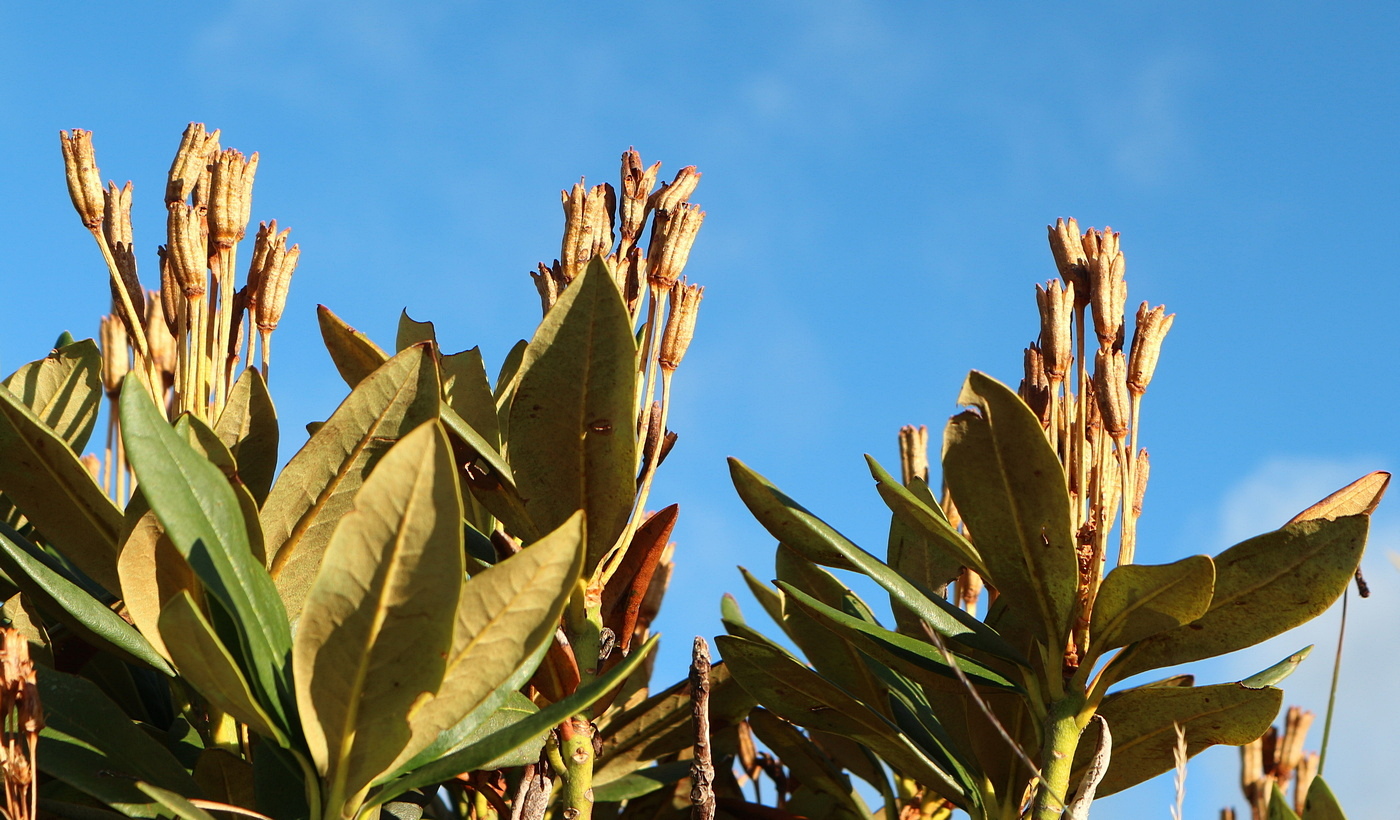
{"x": 152, "y": 571}
{"x": 64, "y": 389}
{"x": 248, "y": 428}
{"x": 1137, "y": 601}
{"x": 377, "y": 626}
{"x": 573, "y": 418}
{"x": 354, "y": 354}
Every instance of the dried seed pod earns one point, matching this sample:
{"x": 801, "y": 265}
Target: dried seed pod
{"x": 159, "y": 335}
{"x": 1142, "y": 469}
{"x": 116, "y": 229}
{"x": 680, "y": 324}
{"x": 192, "y": 158}
{"x": 672, "y": 236}
{"x": 1290, "y": 749}
{"x": 187, "y": 249}
{"x": 93, "y": 464}
{"x": 587, "y": 227}
{"x": 1149, "y": 331}
{"x": 676, "y": 192}
{"x": 1111, "y": 389}
{"x": 913, "y": 452}
{"x": 1109, "y": 297}
{"x": 1067, "y": 246}
{"x": 84, "y": 180}
{"x": 637, "y": 183}
{"x": 235, "y": 334}
{"x": 1035, "y": 387}
{"x": 170, "y": 291}
{"x": 1056, "y": 304}
{"x": 547, "y": 285}
{"x": 264, "y": 241}
{"x": 277, "y": 278}
{"x": 230, "y": 196}
{"x": 1306, "y": 773}
{"x": 116, "y": 354}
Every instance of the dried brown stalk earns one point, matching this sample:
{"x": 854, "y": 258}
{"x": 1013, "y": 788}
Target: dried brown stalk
{"x": 702, "y": 770}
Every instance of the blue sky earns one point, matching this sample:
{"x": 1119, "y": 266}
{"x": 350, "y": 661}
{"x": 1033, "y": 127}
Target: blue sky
{"x": 877, "y": 177}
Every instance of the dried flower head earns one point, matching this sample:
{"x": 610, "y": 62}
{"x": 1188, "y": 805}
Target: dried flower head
{"x": 680, "y": 324}
{"x": 264, "y": 241}
{"x": 84, "y": 180}
{"x": 275, "y": 280}
{"x": 637, "y": 183}
{"x": 1056, "y": 304}
{"x": 1142, "y": 469}
{"x": 116, "y": 229}
{"x": 21, "y": 720}
{"x": 913, "y": 452}
{"x": 672, "y": 236}
{"x": 548, "y": 281}
{"x": 116, "y": 354}
{"x": 1035, "y": 386}
{"x": 1068, "y": 248}
{"x": 230, "y": 196}
{"x": 1151, "y": 328}
{"x": 170, "y": 290}
{"x": 1111, "y": 389}
{"x": 187, "y": 249}
{"x": 1109, "y": 297}
{"x": 164, "y": 348}
{"x": 676, "y": 192}
{"x": 587, "y": 226}
{"x": 192, "y": 159}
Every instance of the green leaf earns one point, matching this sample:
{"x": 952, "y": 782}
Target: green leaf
{"x": 1143, "y": 721}
{"x": 467, "y": 391}
{"x": 183, "y": 808}
{"x": 506, "y": 616}
{"x": 643, "y": 781}
{"x": 377, "y": 625}
{"x": 206, "y": 664}
{"x": 515, "y": 708}
{"x": 1011, "y": 490}
{"x": 89, "y": 743}
{"x": 316, "y": 487}
{"x": 225, "y": 777}
{"x": 1278, "y": 805}
{"x": 769, "y": 598}
{"x": 412, "y": 332}
{"x": 1138, "y": 601}
{"x": 62, "y": 599}
{"x": 355, "y": 356}
{"x": 891, "y": 647}
{"x": 1263, "y": 587}
{"x": 1321, "y": 803}
{"x": 808, "y": 762}
{"x": 64, "y": 389}
{"x": 1275, "y": 674}
{"x": 926, "y": 519}
{"x": 47, "y": 482}
{"x": 816, "y": 541}
{"x": 797, "y": 694}
{"x": 920, "y": 725}
{"x": 248, "y": 428}
{"x": 573, "y": 418}
{"x": 208, "y": 444}
{"x": 201, "y": 515}
{"x": 501, "y": 743}
{"x": 152, "y": 572}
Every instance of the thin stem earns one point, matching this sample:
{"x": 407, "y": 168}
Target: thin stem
{"x": 702, "y": 770}
{"x": 135, "y": 326}
{"x": 1081, "y": 468}
{"x": 1332, "y": 693}
{"x": 1127, "y": 538}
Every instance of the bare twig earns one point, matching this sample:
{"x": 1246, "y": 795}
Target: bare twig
{"x": 1098, "y": 767}
{"x": 702, "y": 771}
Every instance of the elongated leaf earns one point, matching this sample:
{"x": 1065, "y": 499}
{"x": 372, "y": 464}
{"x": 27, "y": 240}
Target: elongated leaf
{"x": 89, "y": 743}
{"x": 248, "y": 428}
{"x": 892, "y": 647}
{"x": 180, "y": 806}
{"x": 643, "y": 781}
{"x": 200, "y": 513}
{"x": 316, "y": 487}
{"x": 769, "y": 598}
{"x": 47, "y": 482}
{"x": 926, "y": 519}
{"x": 819, "y": 543}
{"x": 921, "y": 726}
{"x": 516, "y": 707}
{"x": 1263, "y": 587}
{"x": 208, "y": 666}
{"x": 797, "y": 694}
{"x": 223, "y": 777}
{"x": 412, "y": 332}
{"x": 1321, "y": 803}
{"x": 1279, "y": 809}
{"x": 64, "y": 389}
{"x": 1137, "y": 601}
{"x": 505, "y": 615}
{"x": 1011, "y": 490}
{"x": 377, "y": 626}
{"x": 572, "y": 442}
{"x": 839, "y": 661}
{"x": 1360, "y": 497}
{"x": 1144, "y": 721}
{"x": 152, "y": 571}
{"x": 466, "y": 388}
{"x": 354, "y": 354}
{"x": 63, "y": 600}
{"x": 208, "y": 444}
{"x": 808, "y": 762}
{"x": 1276, "y": 674}
{"x": 501, "y": 743}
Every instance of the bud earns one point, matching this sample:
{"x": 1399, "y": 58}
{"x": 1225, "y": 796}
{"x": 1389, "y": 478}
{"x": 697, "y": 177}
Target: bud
{"x": 1068, "y": 249}
{"x": 680, "y": 324}
{"x": 677, "y": 192}
{"x": 276, "y": 279}
{"x": 1151, "y": 328}
{"x": 160, "y": 336}
{"x": 672, "y": 236}
{"x": 230, "y": 197}
{"x": 1056, "y": 305}
{"x": 636, "y": 190}
{"x": 186, "y": 250}
{"x": 1109, "y": 297}
{"x": 116, "y": 229}
{"x": 84, "y": 180}
{"x": 116, "y": 355}
{"x": 587, "y": 226}
{"x": 197, "y": 148}
{"x": 1035, "y": 387}
{"x": 1111, "y": 389}
{"x": 913, "y": 452}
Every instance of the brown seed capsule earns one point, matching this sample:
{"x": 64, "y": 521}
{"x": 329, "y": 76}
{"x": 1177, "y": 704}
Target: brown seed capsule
{"x": 264, "y": 241}
{"x": 676, "y": 192}
{"x": 1068, "y": 248}
{"x": 230, "y": 196}
{"x": 1142, "y": 469}
{"x": 187, "y": 249}
{"x": 116, "y": 229}
{"x": 1109, "y": 298}
{"x": 913, "y": 452}
{"x": 170, "y": 292}
{"x": 93, "y": 464}
{"x": 587, "y": 227}
{"x": 160, "y": 336}
{"x": 680, "y": 324}
{"x": 1056, "y": 303}
{"x": 1111, "y": 389}
{"x": 84, "y": 180}
{"x": 672, "y": 236}
{"x": 277, "y": 278}
{"x": 1035, "y": 387}
{"x": 1151, "y": 328}
{"x": 637, "y": 183}
{"x": 192, "y": 159}
{"x": 547, "y": 286}
{"x": 116, "y": 354}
